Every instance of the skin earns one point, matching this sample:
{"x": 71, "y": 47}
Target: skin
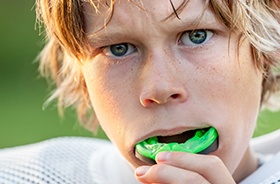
{"x": 164, "y": 85}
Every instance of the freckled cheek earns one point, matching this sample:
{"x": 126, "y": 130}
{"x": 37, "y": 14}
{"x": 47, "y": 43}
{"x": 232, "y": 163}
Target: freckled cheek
{"x": 236, "y": 94}
{"x": 107, "y": 99}
{"x": 232, "y": 86}
{"x": 96, "y": 82}
{"x": 113, "y": 117}
{"x": 104, "y": 102}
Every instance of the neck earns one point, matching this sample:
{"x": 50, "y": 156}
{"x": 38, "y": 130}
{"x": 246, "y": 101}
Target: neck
{"x": 248, "y": 165}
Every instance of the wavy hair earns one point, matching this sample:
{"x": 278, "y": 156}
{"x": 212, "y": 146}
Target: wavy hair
{"x": 66, "y": 45}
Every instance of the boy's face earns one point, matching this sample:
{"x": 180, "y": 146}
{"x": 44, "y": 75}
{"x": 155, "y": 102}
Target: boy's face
{"x": 160, "y": 79}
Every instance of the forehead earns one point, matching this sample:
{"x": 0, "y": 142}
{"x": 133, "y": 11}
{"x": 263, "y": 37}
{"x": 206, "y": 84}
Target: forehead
{"x": 126, "y": 12}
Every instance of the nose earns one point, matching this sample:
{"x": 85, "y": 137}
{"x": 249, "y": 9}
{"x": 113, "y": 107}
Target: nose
{"x": 162, "y": 82}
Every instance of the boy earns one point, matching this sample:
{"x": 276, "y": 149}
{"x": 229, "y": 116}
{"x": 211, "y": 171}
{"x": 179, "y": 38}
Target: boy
{"x": 157, "y": 69}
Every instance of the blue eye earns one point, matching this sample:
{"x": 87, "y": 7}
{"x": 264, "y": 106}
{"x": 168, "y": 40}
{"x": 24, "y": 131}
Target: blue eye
{"x": 196, "y": 37}
{"x": 119, "y": 50}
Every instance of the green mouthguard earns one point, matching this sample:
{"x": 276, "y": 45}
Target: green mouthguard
{"x": 202, "y": 139}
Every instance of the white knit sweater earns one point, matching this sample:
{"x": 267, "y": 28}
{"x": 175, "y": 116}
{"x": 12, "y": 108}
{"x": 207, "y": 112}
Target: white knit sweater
{"x": 68, "y": 160}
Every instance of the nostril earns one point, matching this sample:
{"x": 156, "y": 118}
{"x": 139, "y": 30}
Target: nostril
{"x": 149, "y": 101}
{"x": 174, "y": 96}
{"x": 152, "y": 98}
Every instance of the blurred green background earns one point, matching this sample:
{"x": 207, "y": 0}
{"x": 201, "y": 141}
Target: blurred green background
{"x": 23, "y": 92}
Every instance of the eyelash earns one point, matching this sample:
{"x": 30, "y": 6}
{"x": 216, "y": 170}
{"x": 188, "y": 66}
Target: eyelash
{"x": 208, "y": 33}
{"x": 130, "y": 48}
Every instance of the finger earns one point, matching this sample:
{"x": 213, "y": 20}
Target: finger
{"x": 209, "y": 167}
{"x": 167, "y": 174}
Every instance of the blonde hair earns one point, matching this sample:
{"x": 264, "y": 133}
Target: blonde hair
{"x": 66, "y": 44}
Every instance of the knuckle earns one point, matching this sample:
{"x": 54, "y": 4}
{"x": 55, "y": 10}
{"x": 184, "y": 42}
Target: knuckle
{"x": 159, "y": 168}
{"x": 177, "y": 156}
{"x": 157, "y": 171}
{"x": 214, "y": 160}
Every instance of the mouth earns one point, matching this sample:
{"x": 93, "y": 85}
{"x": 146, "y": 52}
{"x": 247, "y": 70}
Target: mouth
{"x": 201, "y": 141}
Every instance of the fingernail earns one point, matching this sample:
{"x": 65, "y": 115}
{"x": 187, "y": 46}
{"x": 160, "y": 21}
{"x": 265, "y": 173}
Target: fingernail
{"x": 163, "y": 156}
{"x": 140, "y": 171}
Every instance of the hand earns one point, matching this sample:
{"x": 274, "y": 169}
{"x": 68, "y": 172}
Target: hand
{"x": 185, "y": 168}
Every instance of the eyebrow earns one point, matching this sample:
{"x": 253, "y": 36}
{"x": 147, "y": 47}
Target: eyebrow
{"x": 107, "y": 35}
